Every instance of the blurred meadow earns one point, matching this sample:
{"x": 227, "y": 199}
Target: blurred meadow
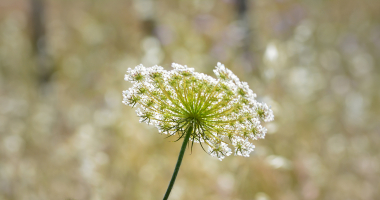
{"x": 64, "y": 133}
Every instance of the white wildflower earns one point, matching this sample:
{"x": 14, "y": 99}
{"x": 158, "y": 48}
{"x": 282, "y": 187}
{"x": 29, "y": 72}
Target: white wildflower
{"x": 214, "y": 110}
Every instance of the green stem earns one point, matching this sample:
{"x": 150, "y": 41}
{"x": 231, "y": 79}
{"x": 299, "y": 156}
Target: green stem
{"x": 179, "y": 161}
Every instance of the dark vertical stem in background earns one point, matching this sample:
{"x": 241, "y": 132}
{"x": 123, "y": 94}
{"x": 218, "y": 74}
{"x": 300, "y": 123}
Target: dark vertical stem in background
{"x": 242, "y": 9}
{"x": 241, "y": 6}
{"x": 44, "y": 68}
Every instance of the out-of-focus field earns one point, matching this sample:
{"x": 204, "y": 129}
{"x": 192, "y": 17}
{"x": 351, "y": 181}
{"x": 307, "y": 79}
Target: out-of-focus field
{"x": 64, "y": 133}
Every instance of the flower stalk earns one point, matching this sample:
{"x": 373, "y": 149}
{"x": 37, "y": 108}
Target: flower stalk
{"x": 179, "y": 161}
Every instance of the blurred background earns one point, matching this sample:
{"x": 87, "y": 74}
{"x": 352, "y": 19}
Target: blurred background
{"x": 64, "y": 133}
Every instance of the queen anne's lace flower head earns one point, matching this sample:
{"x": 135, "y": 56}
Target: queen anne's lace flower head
{"x": 217, "y": 110}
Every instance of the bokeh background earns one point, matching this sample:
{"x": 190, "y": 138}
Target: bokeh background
{"x": 64, "y": 133}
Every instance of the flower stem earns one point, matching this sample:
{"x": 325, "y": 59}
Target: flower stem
{"x": 179, "y": 161}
